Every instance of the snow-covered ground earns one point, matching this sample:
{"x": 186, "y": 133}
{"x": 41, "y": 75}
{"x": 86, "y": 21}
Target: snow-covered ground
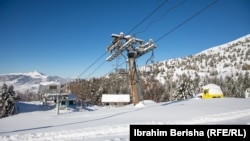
{"x": 36, "y": 123}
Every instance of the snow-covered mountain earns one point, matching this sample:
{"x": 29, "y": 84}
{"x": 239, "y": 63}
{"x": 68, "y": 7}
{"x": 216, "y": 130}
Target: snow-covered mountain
{"x": 229, "y": 59}
{"x": 28, "y": 82}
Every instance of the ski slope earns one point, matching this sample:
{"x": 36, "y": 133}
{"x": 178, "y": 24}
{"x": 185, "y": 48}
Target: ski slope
{"x": 37, "y": 123}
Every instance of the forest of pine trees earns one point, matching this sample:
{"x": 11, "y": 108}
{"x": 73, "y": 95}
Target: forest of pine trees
{"x": 182, "y": 88}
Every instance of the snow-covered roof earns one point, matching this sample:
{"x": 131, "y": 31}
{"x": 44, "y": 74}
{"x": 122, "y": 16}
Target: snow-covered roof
{"x": 115, "y": 98}
{"x": 211, "y": 86}
{"x": 50, "y": 83}
{"x": 213, "y": 89}
{"x": 55, "y": 94}
{"x": 70, "y": 96}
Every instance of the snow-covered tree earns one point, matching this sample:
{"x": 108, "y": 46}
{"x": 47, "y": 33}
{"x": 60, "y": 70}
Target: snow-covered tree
{"x": 184, "y": 90}
{"x": 8, "y": 98}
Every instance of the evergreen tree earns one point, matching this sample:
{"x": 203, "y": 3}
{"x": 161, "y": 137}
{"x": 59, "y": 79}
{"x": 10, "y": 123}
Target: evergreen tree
{"x": 8, "y": 99}
{"x": 184, "y": 90}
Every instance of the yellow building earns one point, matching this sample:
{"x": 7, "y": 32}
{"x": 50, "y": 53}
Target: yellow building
{"x": 212, "y": 91}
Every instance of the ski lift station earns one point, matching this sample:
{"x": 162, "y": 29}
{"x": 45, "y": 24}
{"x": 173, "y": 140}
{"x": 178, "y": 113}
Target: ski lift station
{"x": 51, "y": 91}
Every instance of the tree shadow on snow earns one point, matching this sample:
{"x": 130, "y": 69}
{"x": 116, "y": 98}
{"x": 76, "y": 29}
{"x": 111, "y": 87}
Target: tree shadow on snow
{"x": 40, "y": 107}
{"x": 24, "y": 107}
{"x": 171, "y": 102}
{"x": 72, "y": 123}
{"x": 87, "y": 109}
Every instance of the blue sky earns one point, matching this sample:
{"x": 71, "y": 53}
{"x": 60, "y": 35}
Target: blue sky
{"x": 68, "y": 38}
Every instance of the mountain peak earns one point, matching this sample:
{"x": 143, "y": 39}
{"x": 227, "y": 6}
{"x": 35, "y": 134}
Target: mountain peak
{"x": 38, "y": 72}
{"x": 35, "y": 74}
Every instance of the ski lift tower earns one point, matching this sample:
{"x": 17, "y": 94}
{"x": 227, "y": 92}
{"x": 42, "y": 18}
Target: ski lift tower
{"x": 135, "y": 48}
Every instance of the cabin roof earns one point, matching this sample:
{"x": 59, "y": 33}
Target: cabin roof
{"x": 115, "y": 98}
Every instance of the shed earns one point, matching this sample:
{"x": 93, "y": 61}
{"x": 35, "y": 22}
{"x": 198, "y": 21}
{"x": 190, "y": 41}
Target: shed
{"x": 115, "y": 99}
{"x": 212, "y": 91}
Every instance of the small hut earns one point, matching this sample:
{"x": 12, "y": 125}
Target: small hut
{"x": 212, "y": 91}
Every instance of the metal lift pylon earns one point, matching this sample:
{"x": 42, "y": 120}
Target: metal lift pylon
{"x": 128, "y": 43}
{"x": 134, "y": 79}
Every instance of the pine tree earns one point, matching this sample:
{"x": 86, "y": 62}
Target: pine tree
{"x": 8, "y": 99}
{"x": 185, "y": 89}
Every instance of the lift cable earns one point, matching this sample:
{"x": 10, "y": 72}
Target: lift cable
{"x": 96, "y": 69}
{"x": 167, "y": 33}
{"x": 128, "y": 33}
{"x": 187, "y": 20}
{"x": 91, "y": 65}
{"x": 148, "y": 16}
{"x": 159, "y": 19}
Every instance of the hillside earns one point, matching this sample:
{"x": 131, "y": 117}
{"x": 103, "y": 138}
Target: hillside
{"x": 226, "y": 65}
{"x": 224, "y": 60}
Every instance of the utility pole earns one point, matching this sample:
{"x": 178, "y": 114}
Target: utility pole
{"x": 58, "y": 99}
{"x": 57, "y": 105}
{"x": 135, "y": 48}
